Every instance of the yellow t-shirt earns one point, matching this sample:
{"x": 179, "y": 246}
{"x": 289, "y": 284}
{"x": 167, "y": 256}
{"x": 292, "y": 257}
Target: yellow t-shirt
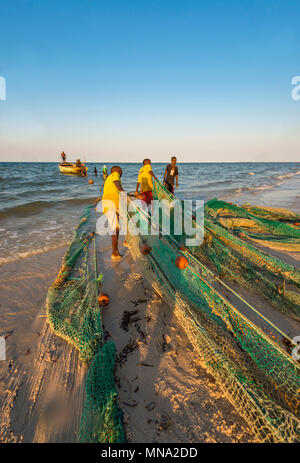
{"x": 145, "y": 179}
{"x": 111, "y": 192}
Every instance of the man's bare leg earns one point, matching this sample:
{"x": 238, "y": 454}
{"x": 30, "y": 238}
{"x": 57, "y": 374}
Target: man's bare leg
{"x": 115, "y": 240}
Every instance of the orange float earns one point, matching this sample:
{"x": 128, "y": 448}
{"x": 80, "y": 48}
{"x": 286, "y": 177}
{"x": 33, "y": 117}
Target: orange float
{"x": 103, "y": 299}
{"x": 91, "y": 181}
{"x": 181, "y": 262}
{"x": 145, "y": 249}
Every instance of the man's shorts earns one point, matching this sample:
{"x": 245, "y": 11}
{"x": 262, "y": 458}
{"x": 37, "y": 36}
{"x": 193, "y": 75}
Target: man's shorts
{"x": 169, "y": 187}
{"x": 113, "y": 220}
{"x": 147, "y": 197}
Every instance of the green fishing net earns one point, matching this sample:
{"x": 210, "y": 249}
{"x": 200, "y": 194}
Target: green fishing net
{"x": 258, "y": 376}
{"x": 74, "y": 314}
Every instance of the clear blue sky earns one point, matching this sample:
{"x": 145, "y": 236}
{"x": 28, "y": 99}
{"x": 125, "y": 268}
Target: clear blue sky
{"x": 121, "y": 80}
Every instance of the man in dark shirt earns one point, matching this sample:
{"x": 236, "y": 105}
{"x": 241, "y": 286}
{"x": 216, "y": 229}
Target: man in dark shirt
{"x": 171, "y": 173}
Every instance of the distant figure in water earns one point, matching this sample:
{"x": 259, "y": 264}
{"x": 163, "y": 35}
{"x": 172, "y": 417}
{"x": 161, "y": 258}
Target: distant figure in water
{"x": 81, "y": 166}
{"x": 63, "y": 156}
{"x": 171, "y": 173}
{"x": 95, "y": 171}
{"x": 104, "y": 172}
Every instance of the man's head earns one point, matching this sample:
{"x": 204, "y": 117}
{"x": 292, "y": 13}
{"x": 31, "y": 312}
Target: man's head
{"x": 173, "y": 160}
{"x": 116, "y": 169}
{"x": 146, "y": 161}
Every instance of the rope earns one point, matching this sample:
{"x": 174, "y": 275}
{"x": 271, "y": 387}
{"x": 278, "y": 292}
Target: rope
{"x": 95, "y": 259}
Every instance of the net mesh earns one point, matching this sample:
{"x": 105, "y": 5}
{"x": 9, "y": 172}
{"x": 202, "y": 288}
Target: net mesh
{"x": 256, "y": 374}
{"x": 74, "y": 314}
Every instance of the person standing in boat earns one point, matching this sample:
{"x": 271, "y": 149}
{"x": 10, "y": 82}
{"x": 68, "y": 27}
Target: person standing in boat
{"x": 63, "y": 156}
{"x": 171, "y": 173}
{"x": 110, "y": 207}
{"x": 145, "y": 182}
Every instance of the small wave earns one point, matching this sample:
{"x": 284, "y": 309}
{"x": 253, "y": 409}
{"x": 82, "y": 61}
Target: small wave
{"x": 36, "y": 207}
{"x": 33, "y": 252}
{"x": 239, "y": 191}
{"x": 77, "y": 201}
{"x": 268, "y": 186}
{"x": 26, "y": 209}
{"x": 287, "y": 175}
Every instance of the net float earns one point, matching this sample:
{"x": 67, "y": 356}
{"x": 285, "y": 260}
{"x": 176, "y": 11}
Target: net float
{"x": 103, "y": 299}
{"x": 91, "y": 181}
{"x": 145, "y": 249}
{"x": 181, "y": 262}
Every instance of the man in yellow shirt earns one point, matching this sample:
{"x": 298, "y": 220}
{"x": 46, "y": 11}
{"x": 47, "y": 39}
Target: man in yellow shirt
{"x": 110, "y": 206}
{"x": 145, "y": 181}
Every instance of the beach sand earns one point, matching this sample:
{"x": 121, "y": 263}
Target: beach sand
{"x": 41, "y": 381}
{"x": 164, "y": 390}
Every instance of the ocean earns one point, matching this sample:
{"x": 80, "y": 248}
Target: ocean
{"x": 39, "y": 206}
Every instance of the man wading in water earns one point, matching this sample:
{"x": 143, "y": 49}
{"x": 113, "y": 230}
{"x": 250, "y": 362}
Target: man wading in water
{"x": 171, "y": 173}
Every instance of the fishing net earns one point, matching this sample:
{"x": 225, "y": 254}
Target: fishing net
{"x": 74, "y": 314}
{"x": 258, "y": 376}
{"x": 229, "y": 253}
{"x": 274, "y": 228}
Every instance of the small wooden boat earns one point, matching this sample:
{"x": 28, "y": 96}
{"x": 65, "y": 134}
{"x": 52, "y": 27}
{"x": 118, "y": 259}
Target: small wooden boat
{"x": 72, "y": 168}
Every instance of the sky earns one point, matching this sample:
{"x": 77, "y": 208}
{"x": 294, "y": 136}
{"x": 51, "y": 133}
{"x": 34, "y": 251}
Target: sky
{"x": 109, "y": 80}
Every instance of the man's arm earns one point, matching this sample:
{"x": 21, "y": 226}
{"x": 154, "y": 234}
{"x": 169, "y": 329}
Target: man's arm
{"x": 118, "y": 185}
{"x": 137, "y": 188}
{"x": 177, "y": 181}
{"x": 165, "y": 174}
{"x": 152, "y": 173}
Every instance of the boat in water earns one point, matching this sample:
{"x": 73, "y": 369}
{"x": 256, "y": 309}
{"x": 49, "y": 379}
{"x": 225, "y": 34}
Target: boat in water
{"x": 73, "y": 169}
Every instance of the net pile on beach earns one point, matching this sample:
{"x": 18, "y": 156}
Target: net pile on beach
{"x": 74, "y": 314}
{"x": 254, "y": 370}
